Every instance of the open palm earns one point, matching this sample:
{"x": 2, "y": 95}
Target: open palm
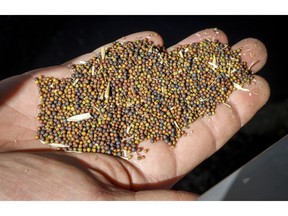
{"x": 30, "y": 170}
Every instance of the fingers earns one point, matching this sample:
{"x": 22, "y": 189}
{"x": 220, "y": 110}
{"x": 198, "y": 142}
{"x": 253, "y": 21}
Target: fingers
{"x": 212, "y": 34}
{"x": 253, "y": 52}
{"x": 153, "y": 36}
{"x": 64, "y": 70}
{"x": 208, "y": 134}
{"x": 53, "y": 71}
{"x": 246, "y": 104}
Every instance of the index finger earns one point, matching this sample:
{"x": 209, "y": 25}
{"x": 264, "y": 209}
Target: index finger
{"x": 63, "y": 70}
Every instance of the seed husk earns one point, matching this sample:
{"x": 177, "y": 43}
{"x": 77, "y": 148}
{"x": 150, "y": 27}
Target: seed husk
{"x": 107, "y": 91}
{"x": 58, "y": 145}
{"x": 102, "y": 53}
{"x": 43, "y": 142}
{"x": 237, "y": 86}
{"x": 79, "y": 117}
{"x": 93, "y": 70}
{"x": 75, "y": 82}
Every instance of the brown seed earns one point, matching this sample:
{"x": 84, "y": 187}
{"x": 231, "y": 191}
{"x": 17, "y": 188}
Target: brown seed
{"x": 136, "y": 91}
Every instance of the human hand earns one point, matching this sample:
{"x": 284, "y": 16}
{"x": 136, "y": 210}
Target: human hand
{"x": 31, "y": 171}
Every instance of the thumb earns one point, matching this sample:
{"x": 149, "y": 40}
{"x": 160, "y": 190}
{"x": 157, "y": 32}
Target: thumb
{"x": 159, "y": 195}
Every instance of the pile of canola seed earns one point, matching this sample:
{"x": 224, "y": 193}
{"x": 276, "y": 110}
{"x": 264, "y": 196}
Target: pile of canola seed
{"x": 136, "y": 91}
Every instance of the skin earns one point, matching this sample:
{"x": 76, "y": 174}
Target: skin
{"x": 32, "y": 171}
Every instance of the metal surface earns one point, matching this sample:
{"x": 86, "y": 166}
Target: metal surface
{"x": 263, "y": 178}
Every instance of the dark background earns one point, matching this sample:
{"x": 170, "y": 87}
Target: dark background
{"x": 30, "y": 42}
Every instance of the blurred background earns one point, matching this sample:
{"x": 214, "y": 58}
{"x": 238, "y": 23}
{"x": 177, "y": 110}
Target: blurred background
{"x": 30, "y": 42}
